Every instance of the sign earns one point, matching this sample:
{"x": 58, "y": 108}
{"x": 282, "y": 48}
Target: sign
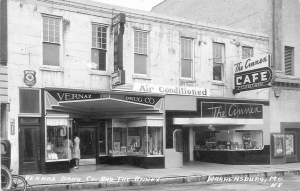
{"x": 71, "y": 96}
{"x": 252, "y": 73}
{"x": 118, "y": 78}
{"x": 12, "y": 126}
{"x": 161, "y": 89}
{"x": 29, "y": 78}
{"x": 118, "y": 31}
{"x": 142, "y": 99}
{"x": 231, "y": 110}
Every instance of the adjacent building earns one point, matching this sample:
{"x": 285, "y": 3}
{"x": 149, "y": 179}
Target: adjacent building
{"x": 67, "y": 62}
{"x": 280, "y": 21}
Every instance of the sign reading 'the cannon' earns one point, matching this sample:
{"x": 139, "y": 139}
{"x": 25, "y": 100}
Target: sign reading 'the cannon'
{"x": 252, "y": 73}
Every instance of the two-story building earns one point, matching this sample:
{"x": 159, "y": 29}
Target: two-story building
{"x": 177, "y": 103}
{"x": 280, "y": 21}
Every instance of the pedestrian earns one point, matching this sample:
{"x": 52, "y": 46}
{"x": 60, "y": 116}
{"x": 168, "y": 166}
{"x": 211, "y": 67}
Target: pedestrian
{"x": 76, "y": 150}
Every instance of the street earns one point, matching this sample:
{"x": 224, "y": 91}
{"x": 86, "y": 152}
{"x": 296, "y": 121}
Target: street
{"x": 286, "y": 183}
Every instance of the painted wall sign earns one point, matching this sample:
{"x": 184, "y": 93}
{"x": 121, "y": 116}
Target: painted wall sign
{"x": 71, "y": 96}
{"x": 252, "y": 73}
{"x": 231, "y": 110}
{"x": 29, "y": 77}
{"x": 142, "y": 99}
{"x": 161, "y": 89}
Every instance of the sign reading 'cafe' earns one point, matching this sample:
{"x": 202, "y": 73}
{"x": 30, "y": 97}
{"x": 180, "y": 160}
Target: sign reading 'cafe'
{"x": 252, "y": 73}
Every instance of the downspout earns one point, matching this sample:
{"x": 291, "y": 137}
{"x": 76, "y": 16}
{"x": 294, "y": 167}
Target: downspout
{"x": 273, "y": 64}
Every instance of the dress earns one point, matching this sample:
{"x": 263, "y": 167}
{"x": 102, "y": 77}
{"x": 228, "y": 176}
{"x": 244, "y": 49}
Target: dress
{"x": 76, "y": 149}
{"x": 68, "y": 146}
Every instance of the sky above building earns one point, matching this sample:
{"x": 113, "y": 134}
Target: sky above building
{"x": 145, "y": 5}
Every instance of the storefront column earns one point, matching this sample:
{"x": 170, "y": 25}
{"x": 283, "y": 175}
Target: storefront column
{"x": 42, "y": 133}
{"x": 191, "y": 143}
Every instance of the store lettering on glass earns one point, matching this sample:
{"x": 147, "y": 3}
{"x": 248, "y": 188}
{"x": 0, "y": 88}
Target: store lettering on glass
{"x": 231, "y": 110}
{"x": 235, "y": 111}
{"x": 218, "y": 111}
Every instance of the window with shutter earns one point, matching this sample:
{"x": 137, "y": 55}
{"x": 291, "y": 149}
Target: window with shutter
{"x": 288, "y": 60}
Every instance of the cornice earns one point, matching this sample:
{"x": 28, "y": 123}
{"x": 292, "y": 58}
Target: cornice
{"x": 109, "y": 11}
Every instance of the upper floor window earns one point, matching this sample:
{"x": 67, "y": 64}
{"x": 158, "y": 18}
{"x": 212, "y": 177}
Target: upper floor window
{"x": 186, "y": 58}
{"x": 99, "y": 47}
{"x": 51, "y": 40}
{"x": 140, "y": 52}
{"x": 218, "y": 61}
{"x": 289, "y": 60}
{"x": 247, "y": 52}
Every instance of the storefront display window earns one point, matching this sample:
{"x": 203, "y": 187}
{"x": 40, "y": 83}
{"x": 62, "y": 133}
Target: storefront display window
{"x": 119, "y": 141}
{"x": 58, "y": 143}
{"x": 229, "y": 140}
{"x": 135, "y": 141}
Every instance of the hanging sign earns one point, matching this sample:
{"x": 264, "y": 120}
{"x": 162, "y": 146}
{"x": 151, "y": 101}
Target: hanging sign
{"x": 252, "y": 73}
{"x": 29, "y": 77}
{"x": 118, "y": 77}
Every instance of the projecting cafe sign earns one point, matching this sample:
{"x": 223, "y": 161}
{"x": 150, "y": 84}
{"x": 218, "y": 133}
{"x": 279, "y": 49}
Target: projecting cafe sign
{"x": 252, "y": 73}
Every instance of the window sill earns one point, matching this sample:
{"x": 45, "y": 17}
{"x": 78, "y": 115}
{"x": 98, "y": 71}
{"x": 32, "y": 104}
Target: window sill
{"x": 287, "y": 79}
{"x": 99, "y": 73}
{"x": 51, "y": 68}
{"x": 141, "y": 76}
{"x": 218, "y": 83}
{"x": 187, "y": 80}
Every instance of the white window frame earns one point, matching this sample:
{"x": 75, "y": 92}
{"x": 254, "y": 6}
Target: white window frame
{"x": 185, "y": 58}
{"x": 141, "y": 53}
{"x": 222, "y": 63}
{"x": 58, "y": 43}
{"x": 106, "y": 49}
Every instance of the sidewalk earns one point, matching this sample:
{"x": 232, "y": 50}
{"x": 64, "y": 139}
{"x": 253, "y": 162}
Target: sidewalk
{"x": 98, "y": 176}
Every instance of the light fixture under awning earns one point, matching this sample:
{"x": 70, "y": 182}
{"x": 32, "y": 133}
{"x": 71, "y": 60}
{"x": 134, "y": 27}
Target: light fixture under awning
{"x": 216, "y": 121}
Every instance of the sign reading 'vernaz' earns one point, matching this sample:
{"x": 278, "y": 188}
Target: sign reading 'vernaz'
{"x": 252, "y": 73}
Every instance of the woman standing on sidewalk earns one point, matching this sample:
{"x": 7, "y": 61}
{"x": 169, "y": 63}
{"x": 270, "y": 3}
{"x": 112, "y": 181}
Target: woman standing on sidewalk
{"x": 76, "y": 150}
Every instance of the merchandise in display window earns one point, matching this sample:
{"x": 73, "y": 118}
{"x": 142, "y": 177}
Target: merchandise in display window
{"x": 58, "y": 144}
{"x": 135, "y": 141}
{"x": 229, "y": 140}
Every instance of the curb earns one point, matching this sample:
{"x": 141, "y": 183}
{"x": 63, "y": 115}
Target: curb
{"x": 164, "y": 180}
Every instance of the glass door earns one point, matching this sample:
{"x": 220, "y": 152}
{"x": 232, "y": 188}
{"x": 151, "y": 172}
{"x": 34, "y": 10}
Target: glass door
{"x": 290, "y": 146}
{"x": 29, "y": 150}
{"x": 87, "y": 136}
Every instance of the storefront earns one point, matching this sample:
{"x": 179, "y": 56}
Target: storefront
{"x": 226, "y": 131}
{"x": 113, "y": 128}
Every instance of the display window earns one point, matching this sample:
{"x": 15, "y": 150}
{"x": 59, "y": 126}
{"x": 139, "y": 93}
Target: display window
{"x": 135, "y": 141}
{"x": 58, "y": 143}
{"x": 229, "y": 140}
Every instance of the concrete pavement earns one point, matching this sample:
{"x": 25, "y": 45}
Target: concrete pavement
{"x": 98, "y": 176}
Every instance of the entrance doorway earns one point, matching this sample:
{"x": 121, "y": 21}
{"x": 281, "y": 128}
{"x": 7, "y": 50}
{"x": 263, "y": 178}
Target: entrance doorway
{"x": 291, "y": 138}
{"x": 185, "y": 142}
{"x": 29, "y": 146}
{"x": 87, "y": 145}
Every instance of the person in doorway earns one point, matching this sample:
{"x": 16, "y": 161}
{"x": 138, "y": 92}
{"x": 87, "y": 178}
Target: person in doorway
{"x": 76, "y": 150}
